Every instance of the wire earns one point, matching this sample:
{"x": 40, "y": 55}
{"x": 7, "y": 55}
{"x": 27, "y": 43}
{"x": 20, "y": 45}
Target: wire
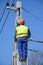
{"x": 38, "y": 52}
{"x": 3, "y": 12}
{"x": 4, "y": 22}
{"x": 35, "y": 41}
{"x": 31, "y": 14}
{"x": 5, "y": 19}
{"x": 32, "y": 50}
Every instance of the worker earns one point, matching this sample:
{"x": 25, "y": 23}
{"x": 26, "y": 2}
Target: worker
{"x": 21, "y": 36}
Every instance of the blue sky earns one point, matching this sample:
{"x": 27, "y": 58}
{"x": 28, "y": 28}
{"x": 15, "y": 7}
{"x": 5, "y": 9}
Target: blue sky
{"x": 35, "y": 25}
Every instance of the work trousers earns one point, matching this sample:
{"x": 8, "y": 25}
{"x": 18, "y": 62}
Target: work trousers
{"x": 22, "y": 47}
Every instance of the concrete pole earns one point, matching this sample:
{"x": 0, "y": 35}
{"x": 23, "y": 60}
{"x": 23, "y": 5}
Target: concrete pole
{"x": 18, "y": 17}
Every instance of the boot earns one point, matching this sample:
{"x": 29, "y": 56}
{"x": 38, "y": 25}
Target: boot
{"x": 20, "y": 59}
{"x": 23, "y": 59}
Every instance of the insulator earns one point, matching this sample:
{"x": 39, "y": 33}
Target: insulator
{"x": 7, "y": 4}
{"x": 12, "y": 5}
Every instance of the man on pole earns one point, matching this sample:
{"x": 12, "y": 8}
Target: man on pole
{"x": 21, "y": 37}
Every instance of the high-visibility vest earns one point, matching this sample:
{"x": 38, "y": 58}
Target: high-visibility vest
{"x": 21, "y": 31}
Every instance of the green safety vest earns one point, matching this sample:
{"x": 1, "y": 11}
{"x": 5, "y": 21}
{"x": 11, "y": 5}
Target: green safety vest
{"x": 21, "y": 31}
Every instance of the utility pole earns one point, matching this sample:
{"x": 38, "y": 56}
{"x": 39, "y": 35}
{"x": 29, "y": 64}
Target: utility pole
{"x": 18, "y": 11}
{"x": 18, "y": 17}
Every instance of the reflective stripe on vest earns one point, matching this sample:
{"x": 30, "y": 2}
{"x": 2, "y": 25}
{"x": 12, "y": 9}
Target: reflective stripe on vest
{"x": 22, "y": 31}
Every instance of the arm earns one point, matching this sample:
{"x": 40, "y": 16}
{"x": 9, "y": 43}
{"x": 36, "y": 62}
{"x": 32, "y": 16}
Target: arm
{"x": 15, "y": 36}
{"x": 29, "y": 33}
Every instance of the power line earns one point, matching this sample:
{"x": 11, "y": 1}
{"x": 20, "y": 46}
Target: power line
{"x": 31, "y": 14}
{"x": 3, "y": 11}
{"x": 2, "y": 14}
{"x": 36, "y": 51}
{"x": 5, "y": 20}
{"x": 35, "y": 41}
{"x": 32, "y": 50}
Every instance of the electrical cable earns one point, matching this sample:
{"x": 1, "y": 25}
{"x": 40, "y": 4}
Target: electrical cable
{"x": 35, "y": 41}
{"x": 31, "y": 14}
{"x": 3, "y": 12}
{"x": 5, "y": 21}
{"x": 38, "y": 52}
{"x": 32, "y": 50}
